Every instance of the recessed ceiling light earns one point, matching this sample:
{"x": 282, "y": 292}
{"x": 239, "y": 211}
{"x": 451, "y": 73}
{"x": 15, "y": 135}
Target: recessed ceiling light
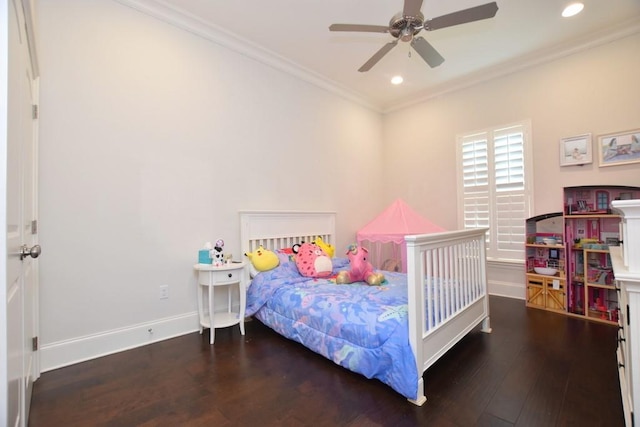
{"x": 572, "y": 9}
{"x": 396, "y": 80}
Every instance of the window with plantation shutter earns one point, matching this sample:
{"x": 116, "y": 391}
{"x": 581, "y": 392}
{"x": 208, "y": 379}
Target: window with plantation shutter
{"x": 493, "y": 188}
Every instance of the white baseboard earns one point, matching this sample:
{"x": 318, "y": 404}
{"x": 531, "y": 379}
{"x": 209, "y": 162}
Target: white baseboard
{"x": 64, "y": 353}
{"x": 506, "y": 279}
{"x": 506, "y": 289}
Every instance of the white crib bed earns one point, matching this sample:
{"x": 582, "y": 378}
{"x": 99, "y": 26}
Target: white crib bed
{"x": 453, "y": 264}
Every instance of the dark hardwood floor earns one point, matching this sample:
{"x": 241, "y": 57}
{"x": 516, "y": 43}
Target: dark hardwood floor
{"x": 536, "y": 369}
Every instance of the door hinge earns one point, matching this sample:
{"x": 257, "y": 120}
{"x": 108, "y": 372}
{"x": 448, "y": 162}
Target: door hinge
{"x": 34, "y": 111}
{"x": 34, "y": 343}
{"x": 34, "y": 226}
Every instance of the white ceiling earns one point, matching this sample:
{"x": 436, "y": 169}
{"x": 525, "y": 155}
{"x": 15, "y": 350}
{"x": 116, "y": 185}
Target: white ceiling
{"x": 293, "y": 35}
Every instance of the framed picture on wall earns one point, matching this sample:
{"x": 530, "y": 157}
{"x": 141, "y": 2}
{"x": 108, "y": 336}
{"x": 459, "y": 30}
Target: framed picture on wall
{"x": 619, "y": 148}
{"x": 576, "y": 150}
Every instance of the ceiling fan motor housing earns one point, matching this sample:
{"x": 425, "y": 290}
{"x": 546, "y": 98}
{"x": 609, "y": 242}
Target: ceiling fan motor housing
{"x": 405, "y": 27}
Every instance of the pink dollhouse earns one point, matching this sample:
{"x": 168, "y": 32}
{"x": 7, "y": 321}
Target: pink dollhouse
{"x": 590, "y": 228}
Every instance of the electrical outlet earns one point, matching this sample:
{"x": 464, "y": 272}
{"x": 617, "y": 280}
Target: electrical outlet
{"x": 164, "y": 291}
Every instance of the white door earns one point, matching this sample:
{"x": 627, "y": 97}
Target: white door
{"x": 19, "y": 139}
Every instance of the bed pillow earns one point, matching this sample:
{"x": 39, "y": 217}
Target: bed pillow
{"x": 285, "y": 255}
{"x": 312, "y": 261}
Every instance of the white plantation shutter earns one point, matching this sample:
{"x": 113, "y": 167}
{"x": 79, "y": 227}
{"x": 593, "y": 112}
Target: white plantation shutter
{"x": 510, "y": 206}
{"x": 494, "y": 192}
{"x": 475, "y": 176}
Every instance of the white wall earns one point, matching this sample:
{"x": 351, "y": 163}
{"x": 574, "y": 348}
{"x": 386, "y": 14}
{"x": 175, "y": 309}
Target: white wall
{"x": 595, "y": 91}
{"x": 151, "y": 141}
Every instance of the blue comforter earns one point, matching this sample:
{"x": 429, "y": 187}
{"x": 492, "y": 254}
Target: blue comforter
{"x": 362, "y": 328}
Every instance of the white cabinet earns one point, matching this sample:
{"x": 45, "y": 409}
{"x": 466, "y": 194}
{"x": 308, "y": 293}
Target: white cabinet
{"x": 629, "y": 233}
{"x": 625, "y": 260}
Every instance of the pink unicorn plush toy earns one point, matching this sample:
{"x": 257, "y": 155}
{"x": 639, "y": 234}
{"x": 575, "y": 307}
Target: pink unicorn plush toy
{"x": 361, "y": 269}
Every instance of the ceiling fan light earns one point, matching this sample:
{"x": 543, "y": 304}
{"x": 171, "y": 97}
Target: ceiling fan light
{"x": 407, "y": 34}
{"x": 396, "y": 80}
{"x": 572, "y": 9}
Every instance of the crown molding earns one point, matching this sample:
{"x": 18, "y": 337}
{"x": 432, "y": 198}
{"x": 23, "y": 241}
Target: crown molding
{"x": 626, "y": 29}
{"x": 191, "y": 23}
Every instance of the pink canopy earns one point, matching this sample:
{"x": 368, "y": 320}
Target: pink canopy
{"x": 395, "y": 222}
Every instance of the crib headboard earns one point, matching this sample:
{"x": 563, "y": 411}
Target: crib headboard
{"x": 282, "y": 229}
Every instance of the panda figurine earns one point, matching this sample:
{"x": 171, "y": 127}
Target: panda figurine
{"x": 217, "y": 256}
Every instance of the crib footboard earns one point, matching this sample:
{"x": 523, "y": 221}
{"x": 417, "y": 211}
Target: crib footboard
{"x": 447, "y": 285}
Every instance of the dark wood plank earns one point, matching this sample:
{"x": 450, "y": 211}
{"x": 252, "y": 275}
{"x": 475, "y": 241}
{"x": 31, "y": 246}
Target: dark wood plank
{"x": 536, "y": 368}
{"x": 516, "y": 385}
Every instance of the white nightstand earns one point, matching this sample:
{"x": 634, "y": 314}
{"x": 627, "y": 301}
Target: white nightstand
{"x": 228, "y": 275}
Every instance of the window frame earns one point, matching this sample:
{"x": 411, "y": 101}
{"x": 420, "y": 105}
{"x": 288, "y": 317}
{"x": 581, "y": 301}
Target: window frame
{"x": 493, "y": 252}
{"x": 602, "y": 200}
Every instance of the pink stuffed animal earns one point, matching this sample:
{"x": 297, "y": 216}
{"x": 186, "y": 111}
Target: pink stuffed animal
{"x": 361, "y": 269}
{"x": 312, "y": 261}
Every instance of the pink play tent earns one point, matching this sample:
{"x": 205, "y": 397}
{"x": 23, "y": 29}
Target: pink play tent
{"x": 384, "y": 236}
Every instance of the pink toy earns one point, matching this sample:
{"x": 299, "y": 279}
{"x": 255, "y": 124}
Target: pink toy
{"x": 312, "y": 261}
{"x": 361, "y": 269}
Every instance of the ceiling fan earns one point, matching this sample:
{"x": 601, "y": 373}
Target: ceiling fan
{"x": 405, "y": 25}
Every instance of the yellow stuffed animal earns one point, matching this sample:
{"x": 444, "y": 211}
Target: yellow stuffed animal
{"x": 326, "y": 247}
{"x": 263, "y": 259}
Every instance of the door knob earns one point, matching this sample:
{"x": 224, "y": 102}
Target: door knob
{"x": 34, "y": 252}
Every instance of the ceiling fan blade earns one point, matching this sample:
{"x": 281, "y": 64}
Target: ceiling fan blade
{"x": 360, "y": 28}
{"x": 427, "y": 52}
{"x": 412, "y": 7}
{"x": 378, "y": 56}
{"x": 477, "y": 13}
